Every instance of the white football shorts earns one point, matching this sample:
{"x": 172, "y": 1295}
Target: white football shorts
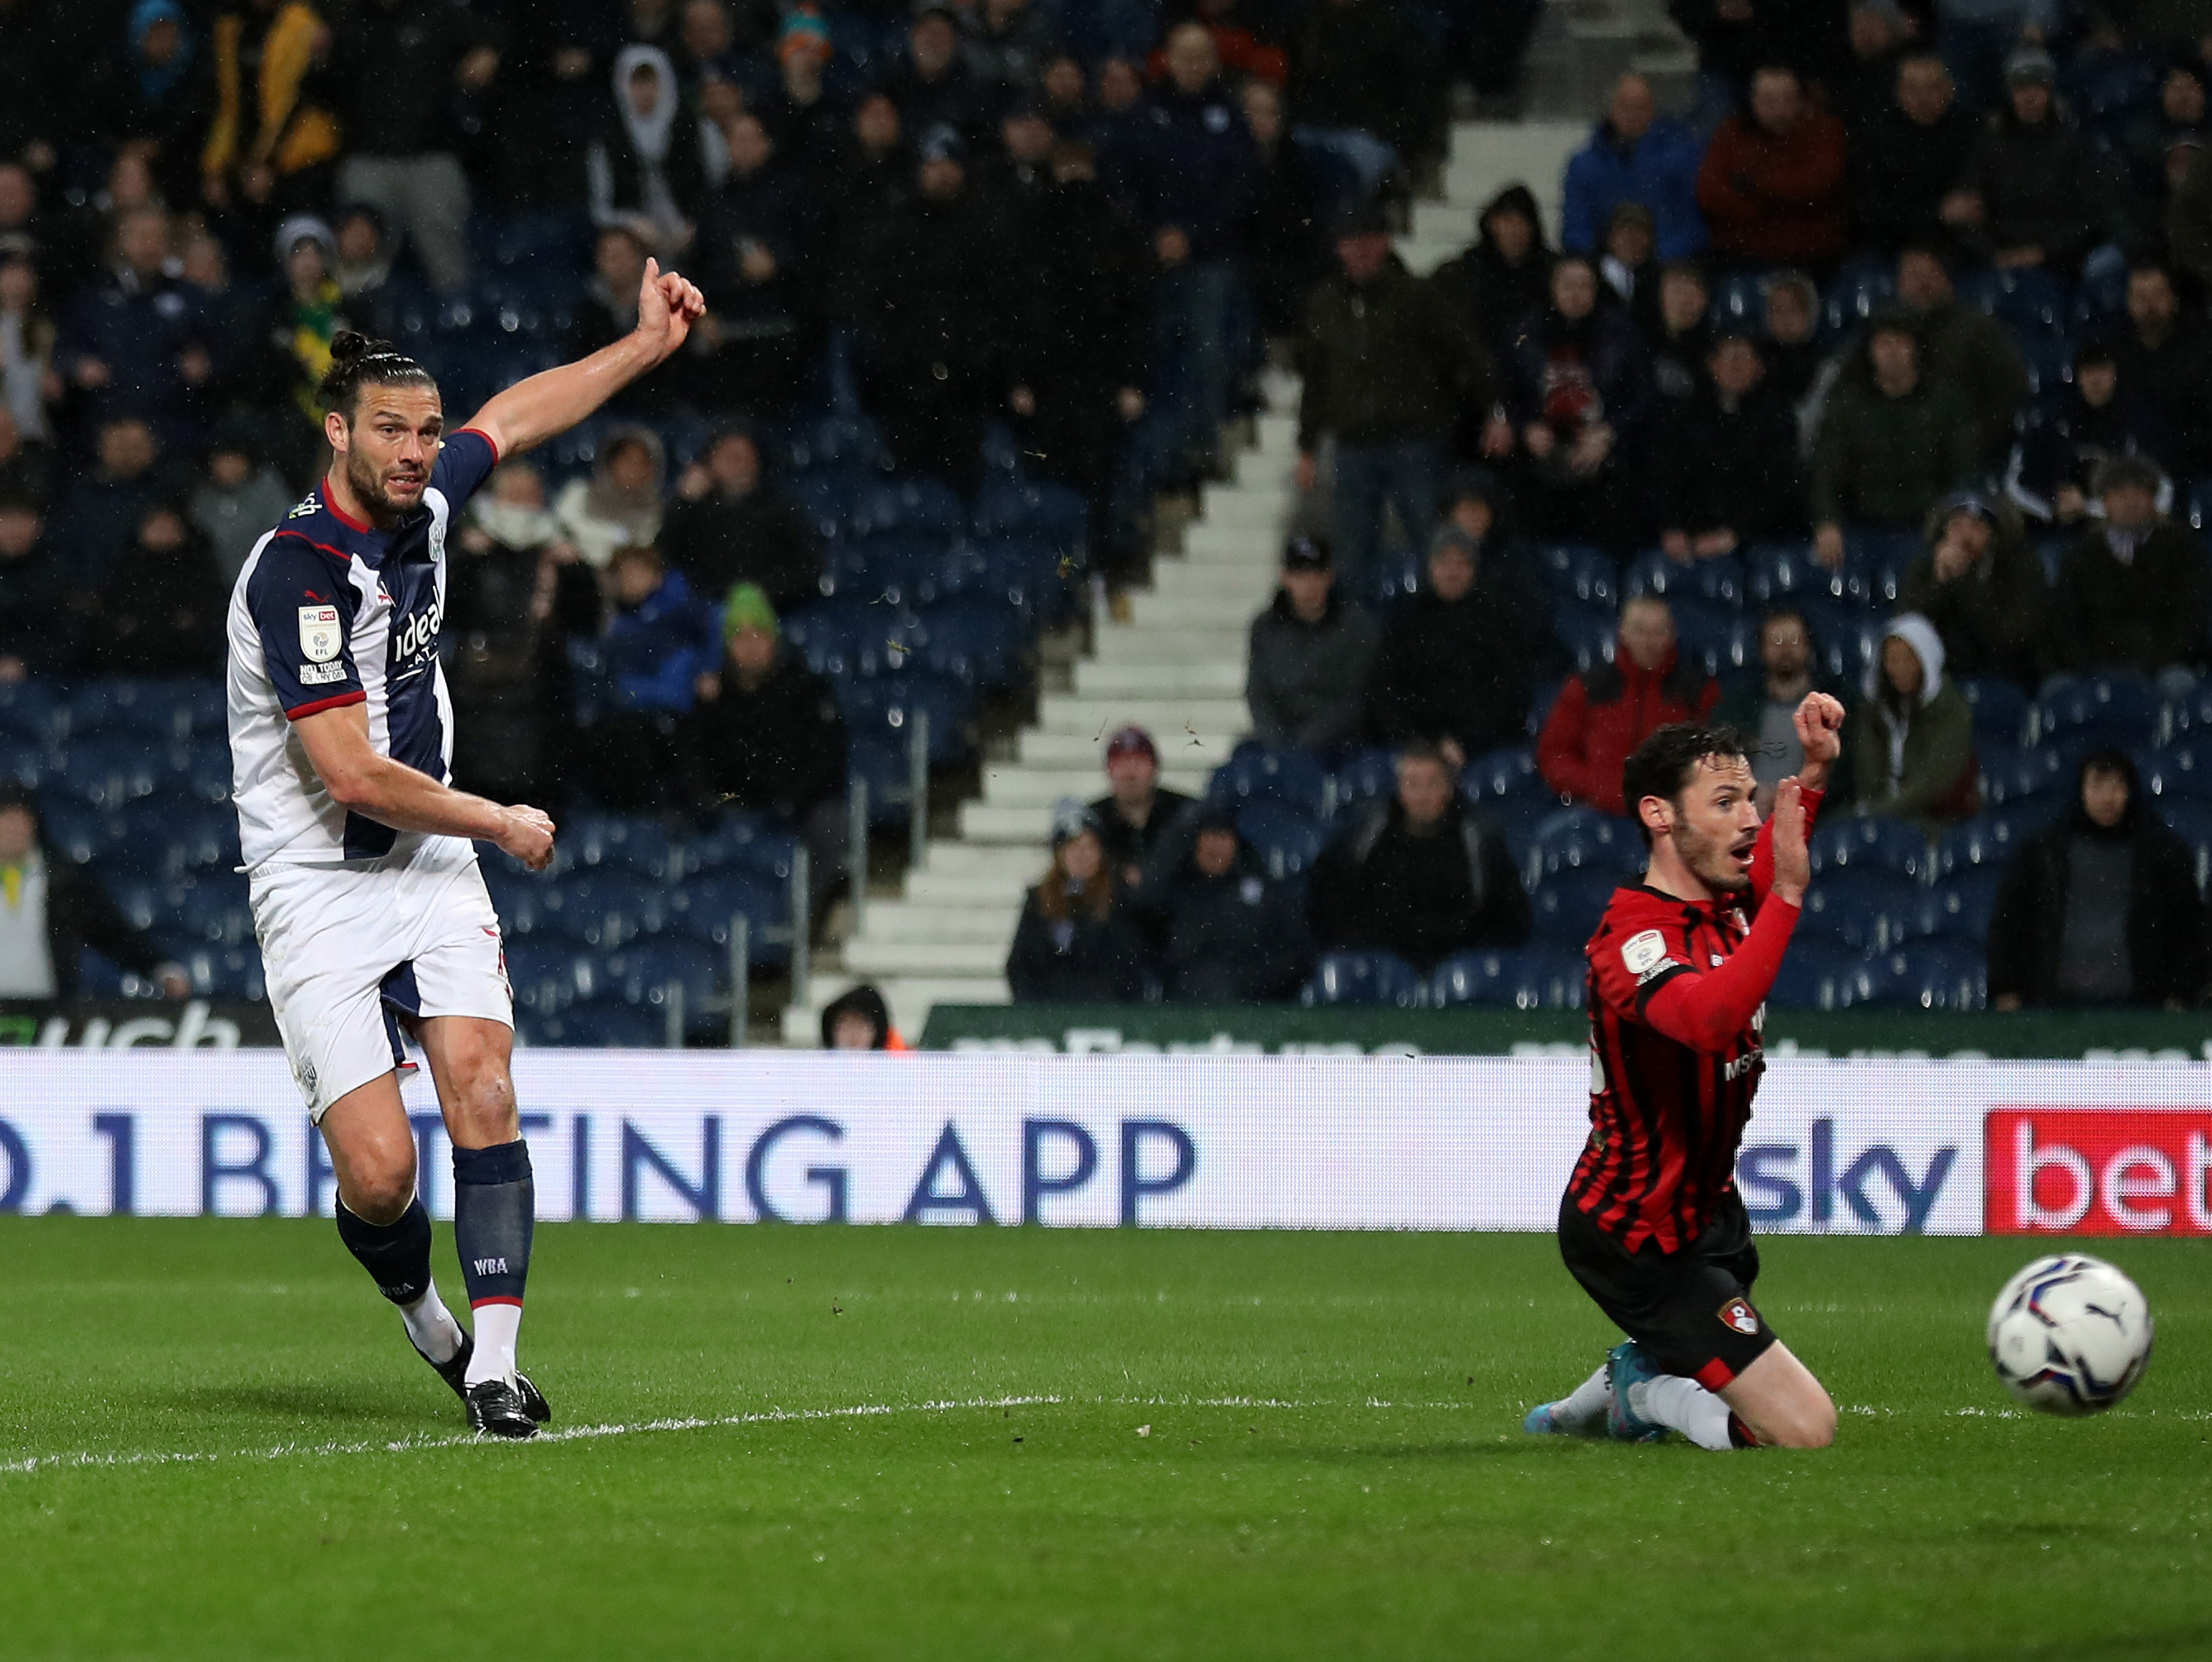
{"x": 351, "y": 952}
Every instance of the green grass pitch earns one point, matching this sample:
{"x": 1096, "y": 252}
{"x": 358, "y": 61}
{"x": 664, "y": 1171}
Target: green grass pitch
{"x": 932, "y": 1443}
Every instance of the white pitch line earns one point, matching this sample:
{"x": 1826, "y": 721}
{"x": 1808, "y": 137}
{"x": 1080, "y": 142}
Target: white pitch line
{"x": 577, "y": 1433}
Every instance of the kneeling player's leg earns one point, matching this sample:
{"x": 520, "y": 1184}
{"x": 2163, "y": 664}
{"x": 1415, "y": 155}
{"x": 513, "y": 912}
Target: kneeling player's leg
{"x": 495, "y": 1202}
{"x": 380, "y": 1216}
{"x": 1782, "y": 1404}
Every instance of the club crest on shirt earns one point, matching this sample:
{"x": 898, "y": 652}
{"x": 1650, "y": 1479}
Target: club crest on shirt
{"x": 320, "y": 633}
{"x": 1738, "y": 1314}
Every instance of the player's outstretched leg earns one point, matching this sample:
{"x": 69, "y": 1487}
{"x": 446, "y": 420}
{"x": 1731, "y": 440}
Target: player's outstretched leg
{"x": 397, "y": 1256}
{"x": 1580, "y": 1413}
{"x": 494, "y": 1209}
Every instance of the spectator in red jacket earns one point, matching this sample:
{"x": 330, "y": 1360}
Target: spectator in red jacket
{"x": 1772, "y": 188}
{"x": 1603, "y": 715}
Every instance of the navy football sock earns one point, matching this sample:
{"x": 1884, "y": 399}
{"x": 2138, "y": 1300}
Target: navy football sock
{"x": 495, "y": 1207}
{"x": 396, "y": 1255}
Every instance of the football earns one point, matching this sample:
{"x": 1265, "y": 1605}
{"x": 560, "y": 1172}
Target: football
{"x": 2069, "y": 1335}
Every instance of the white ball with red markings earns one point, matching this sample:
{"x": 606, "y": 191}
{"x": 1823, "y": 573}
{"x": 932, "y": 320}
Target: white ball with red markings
{"x": 2070, "y": 1335}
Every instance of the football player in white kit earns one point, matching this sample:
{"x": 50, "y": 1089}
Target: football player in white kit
{"x": 371, "y": 913}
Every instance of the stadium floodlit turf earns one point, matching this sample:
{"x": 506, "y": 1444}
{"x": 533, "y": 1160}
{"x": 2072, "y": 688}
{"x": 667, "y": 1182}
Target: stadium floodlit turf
{"x": 861, "y": 1442}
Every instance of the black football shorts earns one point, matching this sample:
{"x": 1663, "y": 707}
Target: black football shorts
{"x": 1692, "y": 1310}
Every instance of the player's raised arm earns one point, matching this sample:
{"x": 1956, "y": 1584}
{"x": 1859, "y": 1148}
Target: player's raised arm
{"x": 393, "y": 793}
{"x": 530, "y": 411}
{"x": 1706, "y": 1011}
{"x": 1820, "y": 721}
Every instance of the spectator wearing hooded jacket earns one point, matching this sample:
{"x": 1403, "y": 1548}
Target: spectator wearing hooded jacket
{"x": 647, "y": 170}
{"x": 1507, "y": 274}
{"x": 2101, "y": 909}
{"x": 1232, "y": 933}
{"x": 1913, "y": 751}
{"x": 1894, "y": 440}
{"x": 1312, "y": 653}
{"x": 2031, "y": 195}
{"x": 1772, "y": 187}
{"x": 1419, "y": 874}
{"x": 1981, "y": 587}
{"x": 1580, "y": 396}
{"x": 1387, "y": 368}
{"x": 1075, "y": 943}
{"x": 1603, "y": 715}
{"x": 1456, "y": 659}
{"x": 1635, "y": 155}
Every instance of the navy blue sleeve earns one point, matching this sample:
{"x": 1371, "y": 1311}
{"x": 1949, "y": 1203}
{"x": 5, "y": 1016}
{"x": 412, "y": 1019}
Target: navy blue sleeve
{"x": 465, "y": 462}
{"x": 302, "y": 609}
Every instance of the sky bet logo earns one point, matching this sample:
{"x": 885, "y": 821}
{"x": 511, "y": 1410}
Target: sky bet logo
{"x": 1782, "y": 1183}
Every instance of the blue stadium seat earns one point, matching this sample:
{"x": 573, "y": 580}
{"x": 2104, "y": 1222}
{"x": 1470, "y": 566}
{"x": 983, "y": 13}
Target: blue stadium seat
{"x": 30, "y": 712}
{"x": 979, "y": 640}
{"x": 1523, "y": 978}
{"x": 828, "y": 498}
{"x": 109, "y": 768}
{"x": 1928, "y": 975}
{"x": 1722, "y": 642}
{"x": 1506, "y": 775}
{"x": 1393, "y": 575}
{"x": 641, "y": 973}
{"x": 24, "y": 761}
{"x": 891, "y": 570}
{"x": 886, "y": 770}
{"x": 605, "y": 910}
{"x": 1588, "y": 576}
{"x": 1286, "y": 839}
{"x": 519, "y": 898}
{"x": 2089, "y": 710}
{"x": 1581, "y": 838}
{"x": 147, "y": 903}
{"x": 2000, "y": 710}
{"x": 1987, "y": 842}
{"x": 2179, "y": 772}
{"x": 1053, "y": 515}
{"x": 742, "y": 842}
{"x": 2188, "y": 717}
{"x": 1567, "y": 906}
{"x": 214, "y": 909}
{"x": 881, "y": 707}
{"x": 886, "y": 640}
{"x": 1738, "y": 301}
{"x": 1851, "y": 907}
{"x": 80, "y": 834}
{"x": 164, "y": 835}
{"x": 2049, "y": 360}
{"x": 1370, "y": 774}
{"x": 226, "y": 972}
{"x": 1541, "y": 700}
{"x": 1858, "y": 290}
{"x": 1366, "y": 978}
{"x": 203, "y": 770}
{"x": 548, "y": 974}
{"x": 2010, "y": 777}
{"x": 1720, "y": 580}
{"x": 1255, "y": 773}
{"x": 620, "y": 842}
{"x": 1956, "y": 910}
{"x": 1816, "y": 974}
{"x": 2025, "y": 300}
{"x": 599, "y": 1026}
{"x": 1589, "y": 638}
{"x": 823, "y": 635}
{"x": 703, "y": 909}
{"x": 1025, "y": 575}
{"x": 1870, "y": 842}
{"x": 155, "y": 710}
{"x": 848, "y": 442}
{"x": 1876, "y": 565}
{"x": 1774, "y": 572}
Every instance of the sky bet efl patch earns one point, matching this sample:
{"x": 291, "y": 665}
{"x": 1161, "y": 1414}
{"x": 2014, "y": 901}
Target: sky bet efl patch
{"x": 320, "y": 633}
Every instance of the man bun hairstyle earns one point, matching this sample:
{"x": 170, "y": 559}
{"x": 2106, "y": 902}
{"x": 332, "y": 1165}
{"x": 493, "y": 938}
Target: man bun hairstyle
{"x": 1663, "y": 763}
{"x": 357, "y": 362}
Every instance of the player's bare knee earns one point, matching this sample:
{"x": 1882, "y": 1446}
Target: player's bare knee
{"x": 380, "y": 1193}
{"x": 484, "y": 1102}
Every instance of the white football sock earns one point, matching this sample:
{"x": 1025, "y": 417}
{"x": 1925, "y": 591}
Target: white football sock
{"x": 431, "y": 1326}
{"x": 497, "y": 1324}
{"x": 1685, "y": 1405}
{"x": 1581, "y": 1411}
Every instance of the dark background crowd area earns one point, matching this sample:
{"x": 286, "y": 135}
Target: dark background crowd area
{"x": 1883, "y": 367}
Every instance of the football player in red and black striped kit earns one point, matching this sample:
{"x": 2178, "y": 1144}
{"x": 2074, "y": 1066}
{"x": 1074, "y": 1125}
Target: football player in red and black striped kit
{"x": 1651, "y": 1224}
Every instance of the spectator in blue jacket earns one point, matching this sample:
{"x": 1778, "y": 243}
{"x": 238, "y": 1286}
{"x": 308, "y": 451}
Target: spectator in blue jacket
{"x": 1195, "y": 176}
{"x": 1635, "y": 155}
{"x": 135, "y": 344}
{"x": 660, "y": 642}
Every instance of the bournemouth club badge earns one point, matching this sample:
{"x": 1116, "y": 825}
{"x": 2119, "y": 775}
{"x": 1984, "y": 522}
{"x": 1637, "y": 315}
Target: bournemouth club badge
{"x": 1738, "y": 1314}
{"x": 320, "y": 634}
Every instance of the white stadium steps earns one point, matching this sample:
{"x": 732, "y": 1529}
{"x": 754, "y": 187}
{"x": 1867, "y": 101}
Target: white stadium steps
{"x": 1174, "y": 665}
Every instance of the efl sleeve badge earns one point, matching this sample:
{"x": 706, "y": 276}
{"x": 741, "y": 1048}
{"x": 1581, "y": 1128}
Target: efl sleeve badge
{"x": 321, "y": 633}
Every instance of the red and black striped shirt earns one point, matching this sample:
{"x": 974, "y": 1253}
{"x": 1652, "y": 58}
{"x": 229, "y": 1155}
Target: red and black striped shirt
{"x": 1671, "y": 1087}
